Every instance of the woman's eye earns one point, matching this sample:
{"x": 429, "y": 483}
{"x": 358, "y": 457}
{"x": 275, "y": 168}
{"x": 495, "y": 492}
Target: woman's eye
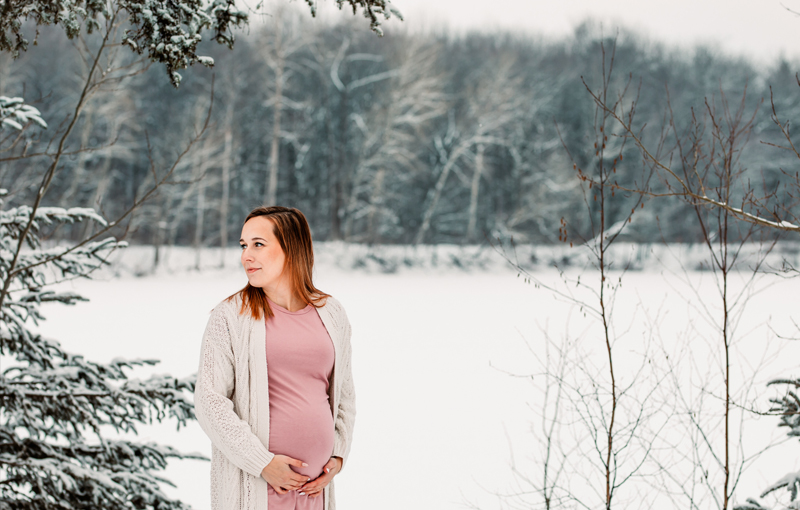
{"x": 259, "y": 244}
{"x": 242, "y": 246}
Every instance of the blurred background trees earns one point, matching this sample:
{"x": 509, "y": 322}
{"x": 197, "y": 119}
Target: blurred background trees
{"x": 402, "y": 139}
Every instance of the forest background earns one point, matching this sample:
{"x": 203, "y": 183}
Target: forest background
{"x": 403, "y": 139}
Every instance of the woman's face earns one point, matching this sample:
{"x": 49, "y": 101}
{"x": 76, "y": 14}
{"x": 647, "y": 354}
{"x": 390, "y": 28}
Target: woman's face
{"x": 262, "y": 256}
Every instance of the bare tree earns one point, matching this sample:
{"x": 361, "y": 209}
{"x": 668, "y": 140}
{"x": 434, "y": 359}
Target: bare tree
{"x": 702, "y": 163}
{"x": 774, "y": 209}
{"x": 611, "y": 409}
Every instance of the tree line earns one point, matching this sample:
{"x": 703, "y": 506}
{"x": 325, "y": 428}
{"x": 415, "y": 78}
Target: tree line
{"x": 423, "y": 138}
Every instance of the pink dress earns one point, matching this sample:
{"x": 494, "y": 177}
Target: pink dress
{"x": 299, "y": 364}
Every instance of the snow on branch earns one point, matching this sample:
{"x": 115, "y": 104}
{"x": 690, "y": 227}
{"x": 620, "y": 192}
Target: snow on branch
{"x": 71, "y": 215}
{"x": 79, "y": 394}
{"x": 373, "y": 10}
{"x": 788, "y": 406}
{"x": 116, "y": 473}
{"x": 169, "y": 32}
{"x": 14, "y": 113}
{"x": 790, "y": 481}
{"x": 751, "y": 504}
{"x": 69, "y": 261}
{"x": 13, "y": 221}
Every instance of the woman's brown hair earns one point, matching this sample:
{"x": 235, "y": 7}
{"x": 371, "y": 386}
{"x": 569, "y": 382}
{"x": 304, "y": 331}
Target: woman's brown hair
{"x": 294, "y": 235}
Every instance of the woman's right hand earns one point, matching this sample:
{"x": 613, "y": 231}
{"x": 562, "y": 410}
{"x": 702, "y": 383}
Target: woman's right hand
{"x": 281, "y": 477}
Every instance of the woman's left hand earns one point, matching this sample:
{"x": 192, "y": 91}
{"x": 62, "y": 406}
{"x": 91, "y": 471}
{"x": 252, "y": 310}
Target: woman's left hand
{"x": 315, "y": 486}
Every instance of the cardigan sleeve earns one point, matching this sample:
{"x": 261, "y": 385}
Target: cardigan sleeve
{"x": 212, "y": 400}
{"x": 346, "y": 412}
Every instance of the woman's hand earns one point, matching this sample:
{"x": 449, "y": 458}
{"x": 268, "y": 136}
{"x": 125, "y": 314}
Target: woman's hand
{"x": 281, "y": 477}
{"x": 315, "y": 486}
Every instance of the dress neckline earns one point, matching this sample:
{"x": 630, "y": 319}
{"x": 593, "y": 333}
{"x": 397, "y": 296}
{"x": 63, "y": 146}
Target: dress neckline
{"x": 278, "y": 308}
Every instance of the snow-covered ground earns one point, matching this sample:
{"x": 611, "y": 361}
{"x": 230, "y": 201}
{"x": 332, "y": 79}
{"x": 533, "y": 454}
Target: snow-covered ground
{"x": 437, "y": 355}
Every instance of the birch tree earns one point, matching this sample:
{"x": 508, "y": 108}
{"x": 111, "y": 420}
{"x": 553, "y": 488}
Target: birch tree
{"x": 286, "y": 39}
{"x": 393, "y": 131}
{"x": 493, "y": 103}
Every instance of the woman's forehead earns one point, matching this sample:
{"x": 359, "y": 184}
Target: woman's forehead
{"x": 258, "y": 227}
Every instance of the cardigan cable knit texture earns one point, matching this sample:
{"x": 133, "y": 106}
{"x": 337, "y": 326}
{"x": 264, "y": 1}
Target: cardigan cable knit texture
{"x": 231, "y": 402}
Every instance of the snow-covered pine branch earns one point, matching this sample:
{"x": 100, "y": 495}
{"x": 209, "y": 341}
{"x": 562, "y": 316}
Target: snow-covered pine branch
{"x": 115, "y": 474}
{"x": 168, "y": 32}
{"x": 80, "y": 395}
{"x": 751, "y": 504}
{"x": 788, "y": 407}
{"x": 790, "y": 481}
{"x": 372, "y": 9}
{"x": 14, "y": 113}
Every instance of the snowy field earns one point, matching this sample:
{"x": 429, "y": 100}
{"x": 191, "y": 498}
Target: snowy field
{"x": 437, "y": 355}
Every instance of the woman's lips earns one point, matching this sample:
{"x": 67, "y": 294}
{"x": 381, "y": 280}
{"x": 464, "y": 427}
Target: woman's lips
{"x": 252, "y": 270}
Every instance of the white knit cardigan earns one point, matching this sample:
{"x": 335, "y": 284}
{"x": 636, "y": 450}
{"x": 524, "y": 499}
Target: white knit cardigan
{"x": 231, "y": 401}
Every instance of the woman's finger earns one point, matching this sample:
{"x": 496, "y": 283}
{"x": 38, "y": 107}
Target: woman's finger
{"x": 295, "y": 462}
{"x": 310, "y": 482}
{"x": 297, "y": 478}
{"x": 293, "y": 483}
{"x": 314, "y": 486}
{"x": 317, "y": 486}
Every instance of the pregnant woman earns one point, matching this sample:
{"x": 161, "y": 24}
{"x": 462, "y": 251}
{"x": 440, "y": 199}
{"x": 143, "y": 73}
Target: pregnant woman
{"x": 274, "y": 389}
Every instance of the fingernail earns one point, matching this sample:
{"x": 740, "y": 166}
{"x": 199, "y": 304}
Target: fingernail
{"x": 302, "y": 493}
{"x": 304, "y": 464}
{"x": 327, "y": 470}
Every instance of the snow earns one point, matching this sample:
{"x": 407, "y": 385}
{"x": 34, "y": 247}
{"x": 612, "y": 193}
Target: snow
{"x": 22, "y": 113}
{"x": 12, "y": 123}
{"x": 442, "y": 363}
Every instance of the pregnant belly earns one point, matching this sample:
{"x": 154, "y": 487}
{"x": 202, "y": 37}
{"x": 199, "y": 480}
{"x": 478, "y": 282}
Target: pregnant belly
{"x": 304, "y": 433}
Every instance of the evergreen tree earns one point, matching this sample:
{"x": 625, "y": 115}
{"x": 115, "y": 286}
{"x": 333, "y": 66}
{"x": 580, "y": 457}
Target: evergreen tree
{"x": 57, "y": 408}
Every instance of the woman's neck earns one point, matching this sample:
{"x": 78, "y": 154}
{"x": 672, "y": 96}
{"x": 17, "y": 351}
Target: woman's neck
{"x": 284, "y": 297}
